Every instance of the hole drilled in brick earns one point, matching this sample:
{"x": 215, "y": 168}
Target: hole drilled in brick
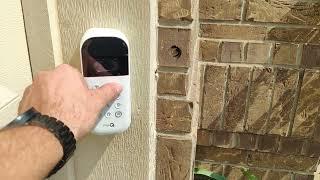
{"x": 175, "y": 51}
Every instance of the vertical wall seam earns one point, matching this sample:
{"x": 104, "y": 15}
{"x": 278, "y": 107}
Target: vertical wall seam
{"x": 245, "y": 119}
{"x": 55, "y": 31}
{"x": 153, "y": 8}
{"x": 271, "y": 53}
{"x": 271, "y": 95}
{"x": 244, "y": 8}
{"x": 295, "y": 102}
{"x": 225, "y": 97}
{"x": 26, "y": 37}
{"x": 196, "y": 86}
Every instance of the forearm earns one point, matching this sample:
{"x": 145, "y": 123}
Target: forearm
{"x": 28, "y": 152}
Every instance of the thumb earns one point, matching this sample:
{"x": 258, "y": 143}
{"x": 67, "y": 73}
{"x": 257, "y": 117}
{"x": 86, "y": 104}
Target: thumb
{"x": 107, "y": 93}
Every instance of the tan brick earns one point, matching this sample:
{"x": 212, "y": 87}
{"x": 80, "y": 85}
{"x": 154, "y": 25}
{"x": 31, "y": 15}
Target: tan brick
{"x": 301, "y": 35}
{"x": 258, "y": 53}
{"x": 313, "y": 149}
{"x": 311, "y": 56}
{"x": 209, "y": 51}
{"x": 220, "y": 9}
{"x": 268, "y": 143}
{"x": 303, "y": 177}
{"x": 307, "y": 114}
{"x": 216, "y": 168}
{"x": 231, "y": 52}
{"x": 221, "y": 155}
{"x": 285, "y": 53}
{"x": 174, "y": 116}
{"x": 236, "y": 98}
{"x": 246, "y": 141}
{"x": 221, "y": 31}
{"x": 173, "y": 47}
{"x": 283, "y": 98}
{"x": 213, "y": 96}
{"x": 293, "y": 12}
{"x": 224, "y": 139}
{"x": 270, "y": 175}
{"x": 175, "y": 9}
{"x": 204, "y": 137}
{"x": 289, "y": 145}
{"x": 259, "y": 100}
{"x": 173, "y": 159}
{"x": 172, "y": 83}
{"x": 278, "y": 161}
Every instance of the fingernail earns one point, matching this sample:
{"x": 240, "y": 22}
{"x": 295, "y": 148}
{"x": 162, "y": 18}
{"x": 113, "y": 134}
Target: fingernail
{"x": 118, "y": 87}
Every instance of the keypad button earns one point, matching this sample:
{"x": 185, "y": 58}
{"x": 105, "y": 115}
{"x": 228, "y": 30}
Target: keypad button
{"x": 118, "y": 114}
{"x": 108, "y": 114}
{"x": 117, "y": 105}
{"x": 118, "y": 97}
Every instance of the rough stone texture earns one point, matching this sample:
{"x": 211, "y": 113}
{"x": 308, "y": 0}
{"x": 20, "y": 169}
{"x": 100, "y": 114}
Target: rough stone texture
{"x": 303, "y": 177}
{"x": 221, "y": 155}
{"x": 231, "y": 52}
{"x": 283, "y": 98}
{"x": 236, "y": 98}
{"x": 209, "y": 51}
{"x": 273, "y": 175}
{"x": 311, "y": 56}
{"x": 221, "y": 31}
{"x": 259, "y": 100}
{"x": 173, "y": 159}
{"x": 173, "y": 47}
{"x": 246, "y": 141}
{"x": 308, "y": 110}
{"x": 285, "y": 53}
{"x": 216, "y": 168}
{"x": 175, "y": 9}
{"x": 172, "y": 83}
{"x": 300, "y": 35}
{"x": 213, "y": 96}
{"x": 174, "y": 116}
{"x": 267, "y": 143}
{"x": 204, "y": 137}
{"x": 258, "y": 53}
{"x": 313, "y": 149}
{"x": 220, "y": 9}
{"x": 278, "y": 161}
{"x": 285, "y": 11}
{"x": 289, "y": 145}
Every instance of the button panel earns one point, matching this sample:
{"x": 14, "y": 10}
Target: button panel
{"x": 116, "y": 115}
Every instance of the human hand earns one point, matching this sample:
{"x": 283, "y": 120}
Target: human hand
{"x": 63, "y": 94}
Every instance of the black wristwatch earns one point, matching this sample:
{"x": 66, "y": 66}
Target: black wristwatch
{"x": 61, "y": 132}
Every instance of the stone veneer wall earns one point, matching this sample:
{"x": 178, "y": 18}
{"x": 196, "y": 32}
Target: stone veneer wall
{"x": 238, "y": 85}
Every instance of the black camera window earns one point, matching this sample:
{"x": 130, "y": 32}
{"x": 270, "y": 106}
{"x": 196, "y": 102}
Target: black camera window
{"x": 105, "y": 56}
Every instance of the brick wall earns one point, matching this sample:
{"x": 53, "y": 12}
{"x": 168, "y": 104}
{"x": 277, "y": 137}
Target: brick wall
{"x": 238, "y": 85}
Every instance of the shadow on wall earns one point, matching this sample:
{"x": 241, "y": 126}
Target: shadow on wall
{"x": 92, "y": 149}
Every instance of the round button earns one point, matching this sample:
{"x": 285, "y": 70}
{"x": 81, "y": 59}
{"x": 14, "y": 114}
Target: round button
{"x": 118, "y": 114}
{"x": 117, "y": 106}
{"x": 108, "y": 114}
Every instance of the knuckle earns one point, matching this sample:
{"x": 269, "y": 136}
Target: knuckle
{"x": 113, "y": 90}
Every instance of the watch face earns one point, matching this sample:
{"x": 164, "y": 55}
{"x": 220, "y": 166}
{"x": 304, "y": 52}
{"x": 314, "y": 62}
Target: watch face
{"x": 25, "y": 117}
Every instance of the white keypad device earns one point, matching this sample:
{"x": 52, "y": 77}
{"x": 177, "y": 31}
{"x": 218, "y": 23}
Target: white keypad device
{"x": 105, "y": 59}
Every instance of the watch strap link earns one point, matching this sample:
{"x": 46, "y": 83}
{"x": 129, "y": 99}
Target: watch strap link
{"x": 61, "y": 132}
